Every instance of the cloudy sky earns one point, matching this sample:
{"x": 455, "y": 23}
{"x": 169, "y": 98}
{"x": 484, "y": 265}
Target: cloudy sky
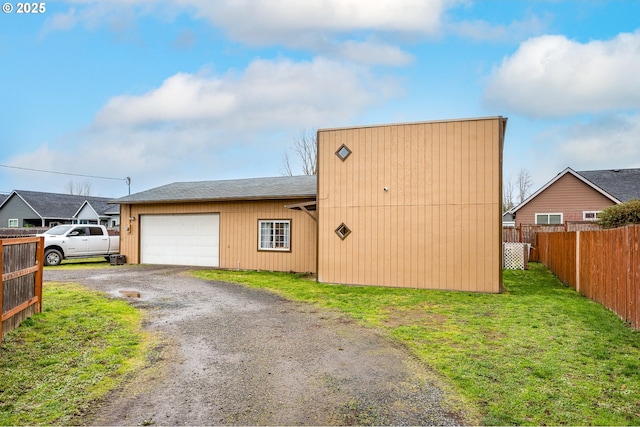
{"x": 187, "y": 90}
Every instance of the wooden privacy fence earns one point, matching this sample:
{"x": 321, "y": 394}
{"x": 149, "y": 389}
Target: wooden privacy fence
{"x": 601, "y": 265}
{"x": 526, "y": 233}
{"x": 21, "y": 261}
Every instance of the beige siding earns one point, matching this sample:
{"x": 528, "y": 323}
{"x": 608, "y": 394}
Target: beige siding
{"x": 439, "y": 224}
{"x": 238, "y": 233}
{"x": 569, "y": 196}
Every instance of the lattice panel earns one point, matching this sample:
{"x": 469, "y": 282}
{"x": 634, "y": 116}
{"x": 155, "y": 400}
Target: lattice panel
{"x": 515, "y": 256}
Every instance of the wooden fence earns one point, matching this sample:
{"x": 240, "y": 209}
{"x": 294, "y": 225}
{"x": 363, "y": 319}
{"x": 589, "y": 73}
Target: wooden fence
{"x": 21, "y": 261}
{"x": 601, "y": 265}
{"x": 525, "y": 233}
{"x": 6, "y": 233}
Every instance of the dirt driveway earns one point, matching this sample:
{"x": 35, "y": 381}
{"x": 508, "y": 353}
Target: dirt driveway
{"x": 239, "y": 356}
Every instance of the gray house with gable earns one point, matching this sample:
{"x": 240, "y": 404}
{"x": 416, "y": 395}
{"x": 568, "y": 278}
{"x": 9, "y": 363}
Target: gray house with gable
{"x": 38, "y": 209}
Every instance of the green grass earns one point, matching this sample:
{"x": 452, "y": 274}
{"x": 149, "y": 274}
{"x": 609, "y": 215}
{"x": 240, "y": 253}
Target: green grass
{"x": 58, "y": 362}
{"x": 73, "y": 263}
{"x": 537, "y": 354}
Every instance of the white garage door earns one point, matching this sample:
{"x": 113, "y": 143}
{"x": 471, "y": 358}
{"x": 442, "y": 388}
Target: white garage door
{"x": 180, "y": 239}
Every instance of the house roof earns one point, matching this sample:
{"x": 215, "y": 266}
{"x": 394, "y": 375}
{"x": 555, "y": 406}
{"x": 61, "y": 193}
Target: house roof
{"x": 55, "y": 205}
{"x": 283, "y": 187}
{"x": 623, "y": 184}
{"x": 618, "y": 185}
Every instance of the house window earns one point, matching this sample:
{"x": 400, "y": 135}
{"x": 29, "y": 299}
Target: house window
{"x": 13, "y": 223}
{"x": 549, "y": 219}
{"x": 274, "y": 235}
{"x": 590, "y": 215}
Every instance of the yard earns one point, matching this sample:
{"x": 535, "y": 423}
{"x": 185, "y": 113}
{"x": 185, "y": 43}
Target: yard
{"x": 538, "y": 354}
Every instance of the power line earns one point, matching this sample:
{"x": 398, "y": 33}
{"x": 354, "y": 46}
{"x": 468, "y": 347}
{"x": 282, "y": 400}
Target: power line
{"x": 66, "y": 173}
{"x": 127, "y": 180}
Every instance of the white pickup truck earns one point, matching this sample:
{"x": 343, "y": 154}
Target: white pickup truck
{"x": 78, "y": 241}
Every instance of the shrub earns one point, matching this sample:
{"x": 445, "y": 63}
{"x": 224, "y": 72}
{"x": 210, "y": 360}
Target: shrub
{"x": 621, "y": 215}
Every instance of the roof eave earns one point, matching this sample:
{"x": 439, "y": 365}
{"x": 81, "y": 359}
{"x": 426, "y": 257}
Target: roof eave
{"x": 221, "y": 199}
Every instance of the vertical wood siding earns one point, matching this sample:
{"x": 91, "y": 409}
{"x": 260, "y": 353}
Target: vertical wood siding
{"x": 438, "y": 225}
{"x": 568, "y": 196}
{"x": 238, "y": 233}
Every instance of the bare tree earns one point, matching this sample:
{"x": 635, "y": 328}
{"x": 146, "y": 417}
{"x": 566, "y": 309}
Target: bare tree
{"x": 286, "y": 169}
{"x": 507, "y": 196}
{"x": 305, "y": 148}
{"x": 523, "y": 182}
{"x": 80, "y": 189}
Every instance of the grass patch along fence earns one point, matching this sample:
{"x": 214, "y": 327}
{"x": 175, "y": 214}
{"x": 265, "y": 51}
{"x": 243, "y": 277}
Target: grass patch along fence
{"x": 601, "y": 265}
{"x": 21, "y": 262}
{"x": 59, "y": 362}
{"x": 537, "y": 354}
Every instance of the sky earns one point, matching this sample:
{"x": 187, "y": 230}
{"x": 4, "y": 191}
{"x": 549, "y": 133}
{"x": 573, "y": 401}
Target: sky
{"x": 95, "y": 91}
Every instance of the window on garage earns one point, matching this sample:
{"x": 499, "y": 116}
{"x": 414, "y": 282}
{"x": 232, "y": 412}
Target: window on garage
{"x": 274, "y": 235}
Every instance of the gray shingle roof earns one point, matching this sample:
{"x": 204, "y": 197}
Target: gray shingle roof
{"x": 623, "y": 184}
{"x": 54, "y": 205}
{"x": 283, "y": 187}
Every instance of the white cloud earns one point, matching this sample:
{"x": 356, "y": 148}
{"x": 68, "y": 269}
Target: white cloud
{"x": 341, "y": 28}
{"x": 483, "y": 30}
{"x": 268, "y": 94}
{"x": 267, "y": 21}
{"x": 608, "y": 142}
{"x": 370, "y": 52}
{"x": 552, "y": 76}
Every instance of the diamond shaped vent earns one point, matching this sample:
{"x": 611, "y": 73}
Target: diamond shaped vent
{"x": 343, "y": 231}
{"x": 343, "y": 152}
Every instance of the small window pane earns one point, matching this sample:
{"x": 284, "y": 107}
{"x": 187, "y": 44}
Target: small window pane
{"x": 555, "y": 219}
{"x": 542, "y": 219}
{"x": 343, "y": 152}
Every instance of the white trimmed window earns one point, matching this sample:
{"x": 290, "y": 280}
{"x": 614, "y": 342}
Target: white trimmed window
{"x": 590, "y": 215}
{"x": 548, "y": 219}
{"x": 13, "y": 223}
{"x": 274, "y": 235}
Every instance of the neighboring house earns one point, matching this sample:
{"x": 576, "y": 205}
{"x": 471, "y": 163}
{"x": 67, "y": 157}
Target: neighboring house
{"x": 408, "y": 205}
{"x": 578, "y": 196}
{"x": 37, "y": 209}
{"x": 98, "y": 211}
{"x": 508, "y": 219}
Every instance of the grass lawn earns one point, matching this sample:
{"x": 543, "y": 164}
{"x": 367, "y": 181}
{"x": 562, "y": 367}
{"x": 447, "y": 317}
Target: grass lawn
{"x": 537, "y": 354}
{"x": 57, "y": 363}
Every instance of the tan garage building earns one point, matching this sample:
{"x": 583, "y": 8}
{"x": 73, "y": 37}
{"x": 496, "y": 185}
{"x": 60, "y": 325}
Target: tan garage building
{"x": 409, "y": 205}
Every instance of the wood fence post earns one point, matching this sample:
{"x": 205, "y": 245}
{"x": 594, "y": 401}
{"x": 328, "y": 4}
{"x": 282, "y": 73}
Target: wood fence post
{"x": 578, "y": 261}
{"x": 520, "y": 241}
{"x": 39, "y": 273}
{"x": 1, "y": 286}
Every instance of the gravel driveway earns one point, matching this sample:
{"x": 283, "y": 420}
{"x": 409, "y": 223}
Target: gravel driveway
{"x": 238, "y": 356}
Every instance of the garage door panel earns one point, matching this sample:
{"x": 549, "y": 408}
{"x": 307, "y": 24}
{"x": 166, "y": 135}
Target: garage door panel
{"x": 185, "y": 239}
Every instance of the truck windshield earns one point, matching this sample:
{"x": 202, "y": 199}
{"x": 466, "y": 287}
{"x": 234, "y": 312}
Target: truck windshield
{"x": 58, "y": 230}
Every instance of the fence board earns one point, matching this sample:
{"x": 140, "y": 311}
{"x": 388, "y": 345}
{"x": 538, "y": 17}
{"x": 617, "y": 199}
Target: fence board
{"x": 606, "y": 270}
{"x": 21, "y": 262}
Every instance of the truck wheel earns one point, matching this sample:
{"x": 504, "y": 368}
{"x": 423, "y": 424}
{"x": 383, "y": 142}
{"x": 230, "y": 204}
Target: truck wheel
{"x": 52, "y": 257}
